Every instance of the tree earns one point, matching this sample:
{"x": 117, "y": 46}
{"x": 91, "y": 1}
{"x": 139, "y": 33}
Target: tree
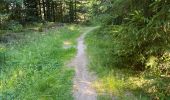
{"x": 41, "y": 10}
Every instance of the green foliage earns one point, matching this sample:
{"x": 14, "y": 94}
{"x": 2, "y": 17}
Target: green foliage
{"x": 115, "y": 81}
{"x": 112, "y": 82}
{"x": 108, "y": 12}
{"x": 144, "y": 33}
{"x": 3, "y": 21}
{"x": 35, "y": 69}
{"x": 15, "y": 26}
{"x": 139, "y": 41}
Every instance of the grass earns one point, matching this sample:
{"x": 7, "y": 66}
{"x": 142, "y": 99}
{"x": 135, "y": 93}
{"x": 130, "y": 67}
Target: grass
{"x": 116, "y": 82}
{"x": 34, "y": 26}
{"x": 99, "y": 49}
{"x": 34, "y": 66}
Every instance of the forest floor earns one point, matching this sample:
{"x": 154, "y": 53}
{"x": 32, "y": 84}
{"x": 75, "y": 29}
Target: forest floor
{"x": 83, "y": 79}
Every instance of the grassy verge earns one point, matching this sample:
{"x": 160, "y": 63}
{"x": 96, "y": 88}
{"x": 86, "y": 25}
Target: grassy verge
{"x": 111, "y": 80}
{"x": 116, "y": 82}
{"x": 34, "y": 66}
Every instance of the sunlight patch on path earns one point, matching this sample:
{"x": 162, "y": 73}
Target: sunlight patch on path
{"x": 67, "y": 44}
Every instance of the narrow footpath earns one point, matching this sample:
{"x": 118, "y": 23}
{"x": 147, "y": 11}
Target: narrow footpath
{"x": 83, "y": 78}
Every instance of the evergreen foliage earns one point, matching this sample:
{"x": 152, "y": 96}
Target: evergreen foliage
{"x": 144, "y": 33}
{"x": 29, "y": 11}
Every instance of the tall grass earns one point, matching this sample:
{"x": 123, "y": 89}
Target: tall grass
{"x": 113, "y": 82}
{"x": 34, "y": 68}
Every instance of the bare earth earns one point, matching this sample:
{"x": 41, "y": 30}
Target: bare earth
{"x": 83, "y": 78}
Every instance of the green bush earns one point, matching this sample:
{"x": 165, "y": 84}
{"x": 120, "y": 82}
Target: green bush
{"x": 133, "y": 47}
{"x": 141, "y": 37}
{"x": 15, "y": 26}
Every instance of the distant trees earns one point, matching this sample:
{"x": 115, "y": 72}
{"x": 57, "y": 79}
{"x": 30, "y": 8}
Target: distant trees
{"x": 25, "y": 11}
{"x": 51, "y": 10}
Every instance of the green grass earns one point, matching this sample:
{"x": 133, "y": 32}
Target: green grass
{"x": 34, "y": 66}
{"x": 112, "y": 82}
{"x": 119, "y": 82}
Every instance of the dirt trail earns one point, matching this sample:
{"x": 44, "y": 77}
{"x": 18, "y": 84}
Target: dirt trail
{"x": 83, "y": 78}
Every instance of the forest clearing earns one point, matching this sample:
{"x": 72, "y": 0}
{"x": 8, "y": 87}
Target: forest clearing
{"x": 84, "y": 49}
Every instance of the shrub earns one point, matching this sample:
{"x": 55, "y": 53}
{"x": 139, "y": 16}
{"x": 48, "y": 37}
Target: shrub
{"x": 133, "y": 46}
{"x": 15, "y": 26}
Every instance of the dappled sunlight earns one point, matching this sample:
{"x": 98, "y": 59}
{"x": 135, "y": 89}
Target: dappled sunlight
{"x": 125, "y": 43}
{"x": 67, "y": 43}
{"x": 136, "y": 82}
{"x": 72, "y": 27}
{"x": 122, "y": 88}
{"x": 99, "y": 87}
{"x": 149, "y": 85}
{"x": 86, "y": 89}
{"x": 108, "y": 84}
{"x": 152, "y": 62}
{"x": 11, "y": 82}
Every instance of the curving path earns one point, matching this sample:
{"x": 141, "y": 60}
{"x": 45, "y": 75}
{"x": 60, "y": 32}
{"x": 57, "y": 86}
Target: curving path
{"x": 83, "y": 78}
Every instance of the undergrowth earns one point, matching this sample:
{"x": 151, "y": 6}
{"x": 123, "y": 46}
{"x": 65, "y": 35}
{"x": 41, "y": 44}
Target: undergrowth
{"x": 116, "y": 81}
{"x": 34, "y": 66}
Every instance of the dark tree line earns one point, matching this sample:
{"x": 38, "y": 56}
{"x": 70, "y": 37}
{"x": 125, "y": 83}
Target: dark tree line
{"x": 23, "y": 11}
{"x": 50, "y": 10}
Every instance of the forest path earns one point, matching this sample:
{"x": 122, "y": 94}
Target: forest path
{"x": 83, "y": 78}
